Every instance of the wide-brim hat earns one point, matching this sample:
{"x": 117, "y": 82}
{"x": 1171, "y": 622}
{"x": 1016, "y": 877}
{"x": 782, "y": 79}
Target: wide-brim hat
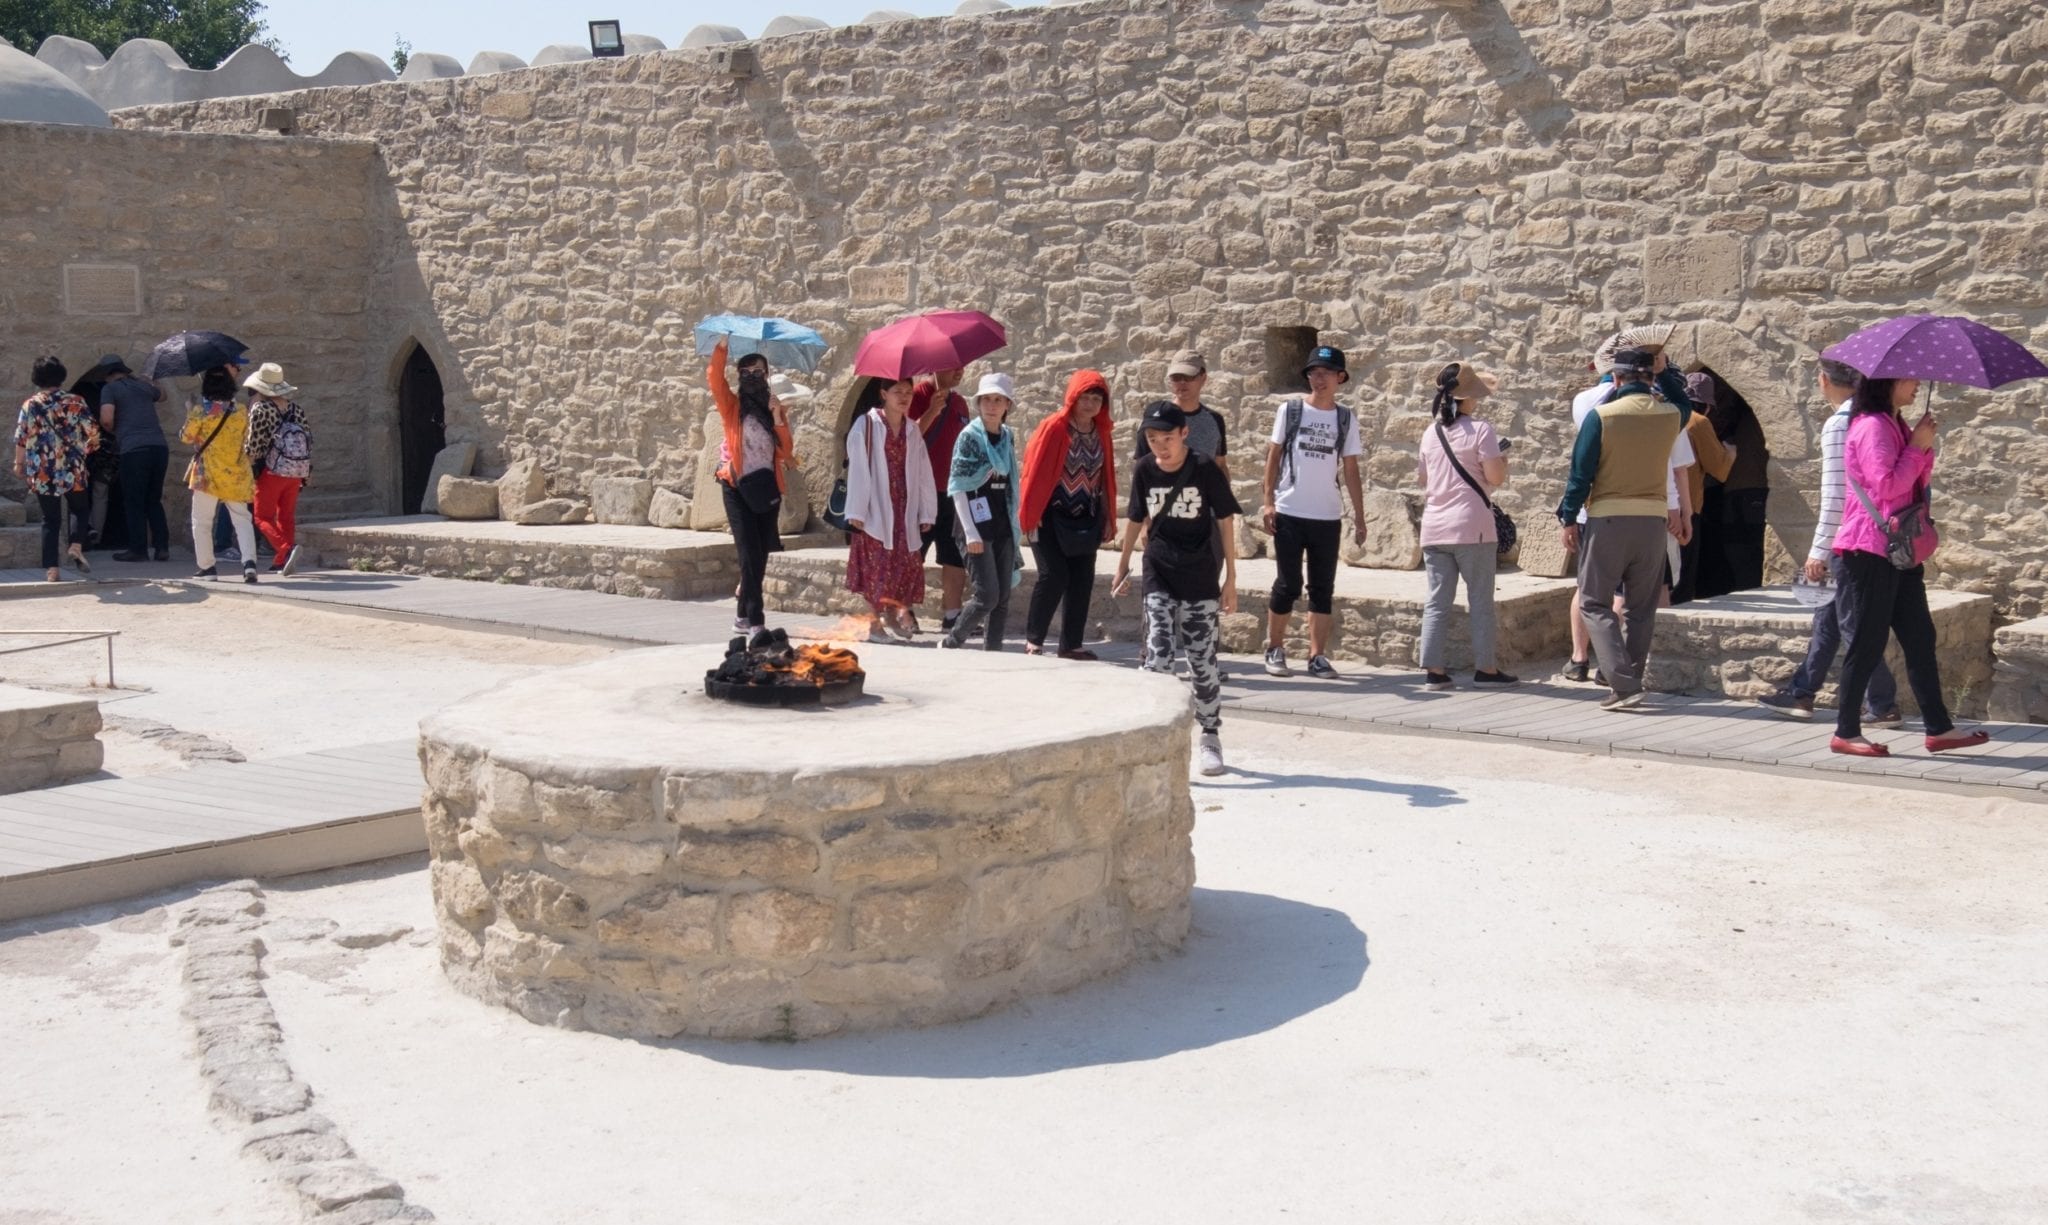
{"x": 995, "y": 383}
{"x": 269, "y": 381}
{"x": 1474, "y": 384}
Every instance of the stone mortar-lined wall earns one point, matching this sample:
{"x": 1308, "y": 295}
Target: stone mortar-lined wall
{"x": 799, "y": 903}
{"x": 1419, "y": 181}
{"x": 2019, "y": 684}
{"x": 270, "y": 241}
{"x": 46, "y": 738}
{"x": 692, "y": 573}
{"x": 1747, "y": 646}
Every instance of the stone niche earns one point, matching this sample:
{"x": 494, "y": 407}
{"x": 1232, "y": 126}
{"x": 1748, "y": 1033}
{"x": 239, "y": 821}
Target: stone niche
{"x": 613, "y": 850}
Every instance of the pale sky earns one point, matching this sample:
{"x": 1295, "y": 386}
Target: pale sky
{"x": 315, "y": 31}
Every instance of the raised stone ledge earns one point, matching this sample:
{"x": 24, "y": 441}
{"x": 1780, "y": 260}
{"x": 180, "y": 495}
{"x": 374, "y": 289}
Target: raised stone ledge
{"x": 2019, "y": 681}
{"x": 644, "y": 861}
{"x": 1747, "y": 645}
{"x": 46, "y": 738}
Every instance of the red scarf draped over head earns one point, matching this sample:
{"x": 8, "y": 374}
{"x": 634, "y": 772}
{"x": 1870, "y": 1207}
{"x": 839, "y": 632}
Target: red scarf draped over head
{"x": 1045, "y": 457}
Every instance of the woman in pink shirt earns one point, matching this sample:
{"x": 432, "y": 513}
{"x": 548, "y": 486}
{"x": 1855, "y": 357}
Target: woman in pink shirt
{"x": 1887, "y": 466}
{"x": 1458, "y": 536}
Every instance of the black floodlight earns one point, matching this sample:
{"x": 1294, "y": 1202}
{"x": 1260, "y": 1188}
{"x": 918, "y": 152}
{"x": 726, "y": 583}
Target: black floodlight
{"x": 606, "y": 40}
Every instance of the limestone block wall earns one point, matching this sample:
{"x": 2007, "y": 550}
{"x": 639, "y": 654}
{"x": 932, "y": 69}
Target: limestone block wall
{"x": 1748, "y": 645}
{"x": 125, "y": 238}
{"x": 46, "y": 738}
{"x": 2019, "y": 684}
{"x": 567, "y": 557}
{"x": 1417, "y": 182}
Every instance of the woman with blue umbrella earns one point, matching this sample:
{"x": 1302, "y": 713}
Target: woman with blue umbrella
{"x": 758, "y": 443}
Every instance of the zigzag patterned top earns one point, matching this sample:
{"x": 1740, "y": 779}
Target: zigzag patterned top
{"x": 1079, "y": 491}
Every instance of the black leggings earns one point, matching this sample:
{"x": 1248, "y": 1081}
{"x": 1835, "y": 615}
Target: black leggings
{"x": 1062, "y": 580}
{"x": 76, "y": 506}
{"x": 1886, "y": 601}
{"x": 755, "y": 535}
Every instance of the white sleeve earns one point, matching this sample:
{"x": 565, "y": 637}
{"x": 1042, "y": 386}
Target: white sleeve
{"x": 1279, "y": 426}
{"x": 1681, "y": 458}
{"x": 960, "y": 512}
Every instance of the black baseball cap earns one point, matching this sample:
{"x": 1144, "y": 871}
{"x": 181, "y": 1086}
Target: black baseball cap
{"x": 1164, "y": 415}
{"x": 1329, "y": 357}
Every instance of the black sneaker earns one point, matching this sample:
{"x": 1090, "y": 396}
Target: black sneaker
{"x": 1890, "y": 718}
{"x": 1319, "y": 666}
{"x": 209, "y": 572}
{"x": 1580, "y": 670}
{"x": 1789, "y": 706}
{"x": 249, "y": 572}
{"x": 1437, "y": 680}
{"x": 1495, "y": 677}
{"x": 163, "y": 555}
{"x": 1622, "y": 701}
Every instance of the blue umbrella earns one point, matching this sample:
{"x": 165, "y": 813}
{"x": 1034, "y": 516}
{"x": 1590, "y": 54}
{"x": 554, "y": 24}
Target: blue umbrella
{"x": 786, "y": 345}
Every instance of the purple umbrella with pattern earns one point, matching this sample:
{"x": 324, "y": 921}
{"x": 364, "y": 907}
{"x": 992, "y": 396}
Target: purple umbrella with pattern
{"x": 1940, "y": 348}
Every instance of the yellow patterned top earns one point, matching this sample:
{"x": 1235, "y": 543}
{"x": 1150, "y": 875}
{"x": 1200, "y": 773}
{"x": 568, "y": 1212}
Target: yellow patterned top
{"x": 221, "y": 469}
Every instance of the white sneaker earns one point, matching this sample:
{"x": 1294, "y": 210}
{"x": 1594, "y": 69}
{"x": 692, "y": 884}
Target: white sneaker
{"x": 291, "y": 563}
{"x": 1276, "y": 662}
{"x": 1209, "y": 754}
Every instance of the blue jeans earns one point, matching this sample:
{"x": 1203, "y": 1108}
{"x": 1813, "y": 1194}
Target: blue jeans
{"x": 1832, "y": 623}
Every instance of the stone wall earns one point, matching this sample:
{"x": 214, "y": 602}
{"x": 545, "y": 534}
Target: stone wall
{"x": 1747, "y": 645}
{"x": 1503, "y": 182}
{"x": 2019, "y": 685}
{"x": 117, "y": 239}
{"x": 644, "y": 561}
{"x": 46, "y": 738}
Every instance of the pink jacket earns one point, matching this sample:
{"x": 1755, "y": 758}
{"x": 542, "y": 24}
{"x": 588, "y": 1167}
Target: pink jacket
{"x": 1879, "y": 456}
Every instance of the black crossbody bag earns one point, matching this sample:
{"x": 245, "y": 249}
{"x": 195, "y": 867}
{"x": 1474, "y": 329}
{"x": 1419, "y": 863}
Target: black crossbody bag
{"x": 1503, "y": 527}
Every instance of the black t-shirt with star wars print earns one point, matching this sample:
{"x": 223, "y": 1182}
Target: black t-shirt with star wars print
{"x": 1178, "y": 557}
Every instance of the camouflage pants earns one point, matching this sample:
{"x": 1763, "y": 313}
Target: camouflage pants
{"x": 1194, "y": 624}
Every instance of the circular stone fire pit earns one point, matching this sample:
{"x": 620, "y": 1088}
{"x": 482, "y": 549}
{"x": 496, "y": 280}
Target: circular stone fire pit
{"x": 616, "y": 851}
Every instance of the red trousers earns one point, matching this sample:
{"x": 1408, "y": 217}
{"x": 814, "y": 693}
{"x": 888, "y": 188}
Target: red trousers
{"x": 277, "y": 510}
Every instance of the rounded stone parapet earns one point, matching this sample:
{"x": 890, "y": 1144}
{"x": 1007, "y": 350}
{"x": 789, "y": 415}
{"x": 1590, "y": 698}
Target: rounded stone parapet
{"x": 616, "y": 851}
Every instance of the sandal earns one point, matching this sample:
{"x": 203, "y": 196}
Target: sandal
{"x": 1953, "y": 740}
{"x": 78, "y": 561}
{"x": 1032, "y": 648}
{"x": 1857, "y": 748}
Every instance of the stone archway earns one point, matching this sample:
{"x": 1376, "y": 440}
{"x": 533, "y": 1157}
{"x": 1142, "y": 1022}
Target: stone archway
{"x": 1775, "y": 377}
{"x": 422, "y": 425}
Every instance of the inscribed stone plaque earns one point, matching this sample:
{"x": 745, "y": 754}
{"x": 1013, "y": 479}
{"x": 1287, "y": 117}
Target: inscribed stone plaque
{"x": 102, "y": 289}
{"x": 1692, "y": 268}
{"x": 882, "y": 283}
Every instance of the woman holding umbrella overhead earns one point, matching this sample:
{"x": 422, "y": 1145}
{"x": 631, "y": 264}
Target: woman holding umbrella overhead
{"x": 219, "y": 474}
{"x": 891, "y": 501}
{"x": 757, "y": 446}
{"x": 1069, "y": 486}
{"x": 53, "y": 437}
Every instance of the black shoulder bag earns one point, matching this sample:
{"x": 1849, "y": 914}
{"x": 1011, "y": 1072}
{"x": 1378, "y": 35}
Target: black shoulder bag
{"x": 1503, "y": 527}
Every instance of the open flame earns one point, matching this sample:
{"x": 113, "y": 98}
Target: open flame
{"x": 819, "y": 665}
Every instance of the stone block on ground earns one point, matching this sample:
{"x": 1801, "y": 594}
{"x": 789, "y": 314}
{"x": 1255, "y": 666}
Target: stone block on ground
{"x": 455, "y": 459}
{"x": 551, "y": 511}
{"x": 707, "y": 498}
{"x": 1540, "y": 552}
{"x": 621, "y": 499}
{"x": 13, "y": 514}
{"x": 796, "y": 502}
{"x": 667, "y": 508}
{"x": 522, "y": 485}
{"x": 459, "y": 497}
{"x": 1392, "y": 539}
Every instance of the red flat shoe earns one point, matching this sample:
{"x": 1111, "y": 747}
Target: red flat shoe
{"x": 1851, "y": 748}
{"x": 1968, "y": 740}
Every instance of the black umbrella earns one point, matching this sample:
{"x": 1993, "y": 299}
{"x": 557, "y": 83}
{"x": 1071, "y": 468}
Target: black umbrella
{"x": 189, "y": 353}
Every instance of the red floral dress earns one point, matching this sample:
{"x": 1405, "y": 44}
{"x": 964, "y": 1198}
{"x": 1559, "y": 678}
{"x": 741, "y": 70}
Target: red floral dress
{"x": 892, "y": 573}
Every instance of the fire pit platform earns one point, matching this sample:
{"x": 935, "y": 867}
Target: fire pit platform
{"x": 615, "y": 850}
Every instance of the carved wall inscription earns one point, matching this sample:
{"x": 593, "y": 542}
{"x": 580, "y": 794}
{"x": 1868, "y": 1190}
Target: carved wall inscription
{"x": 880, "y": 284}
{"x": 102, "y": 289}
{"x": 1692, "y": 268}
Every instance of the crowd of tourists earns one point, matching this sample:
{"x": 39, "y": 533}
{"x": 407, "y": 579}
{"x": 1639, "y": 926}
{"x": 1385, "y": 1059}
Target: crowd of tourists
{"x": 930, "y": 473}
{"x": 78, "y": 447}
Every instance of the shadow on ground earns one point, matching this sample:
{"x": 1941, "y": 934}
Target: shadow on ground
{"x": 1251, "y": 964}
{"x": 1418, "y": 795}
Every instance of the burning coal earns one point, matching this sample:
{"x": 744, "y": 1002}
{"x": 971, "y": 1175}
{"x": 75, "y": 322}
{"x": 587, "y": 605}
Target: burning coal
{"x": 765, "y": 670}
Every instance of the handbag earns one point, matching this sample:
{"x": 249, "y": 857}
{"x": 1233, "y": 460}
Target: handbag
{"x": 1504, "y": 528}
{"x": 1076, "y": 536}
{"x": 835, "y": 506}
{"x": 760, "y": 493}
{"x": 1903, "y": 530}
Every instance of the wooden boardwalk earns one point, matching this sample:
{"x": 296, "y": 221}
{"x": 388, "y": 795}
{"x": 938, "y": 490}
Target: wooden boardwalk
{"x": 86, "y": 843}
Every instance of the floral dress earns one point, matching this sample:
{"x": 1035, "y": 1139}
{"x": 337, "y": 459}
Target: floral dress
{"x": 56, "y": 430}
{"x": 894, "y": 573}
{"x": 219, "y": 467}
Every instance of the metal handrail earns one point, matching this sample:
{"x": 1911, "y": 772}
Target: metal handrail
{"x": 76, "y": 636}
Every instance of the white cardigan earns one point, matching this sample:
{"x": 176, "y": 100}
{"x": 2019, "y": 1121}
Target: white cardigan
{"x": 867, "y": 479}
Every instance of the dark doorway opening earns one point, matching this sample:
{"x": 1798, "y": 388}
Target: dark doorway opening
{"x": 1732, "y": 511}
{"x": 421, "y": 427}
{"x": 1287, "y": 351}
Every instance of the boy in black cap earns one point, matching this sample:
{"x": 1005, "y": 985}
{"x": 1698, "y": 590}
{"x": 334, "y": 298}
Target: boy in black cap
{"x": 1184, "y": 498}
{"x": 1314, "y": 446}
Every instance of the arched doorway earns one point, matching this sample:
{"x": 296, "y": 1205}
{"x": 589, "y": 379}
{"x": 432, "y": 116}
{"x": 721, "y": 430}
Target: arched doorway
{"x": 421, "y": 427}
{"x": 1733, "y": 512}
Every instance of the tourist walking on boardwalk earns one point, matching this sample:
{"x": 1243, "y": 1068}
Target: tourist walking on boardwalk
{"x": 1621, "y": 468}
{"x": 54, "y": 435}
{"x": 1068, "y": 509}
{"x": 890, "y": 501}
{"x": 1314, "y": 446}
{"x": 941, "y": 414}
{"x": 1886, "y": 537}
{"x": 1179, "y": 501}
{"x": 757, "y": 446}
{"x": 982, "y": 486}
{"x": 1711, "y": 458}
{"x": 1836, "y": 618}
{"x": 219, "y": 475}
{"x": 1461, "y": 464}
{"x": 280, "y": 451}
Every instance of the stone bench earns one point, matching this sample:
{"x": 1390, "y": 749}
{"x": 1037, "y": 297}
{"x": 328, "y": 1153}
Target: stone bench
{"x": 2019, "y": 672}
{"x": 1379, "y": 612}
{"x": 1748, "y": 644}
{"x": 46, "y": 738}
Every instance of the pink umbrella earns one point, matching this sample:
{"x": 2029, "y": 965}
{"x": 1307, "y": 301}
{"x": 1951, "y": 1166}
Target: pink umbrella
{"x": 920, "y": 344}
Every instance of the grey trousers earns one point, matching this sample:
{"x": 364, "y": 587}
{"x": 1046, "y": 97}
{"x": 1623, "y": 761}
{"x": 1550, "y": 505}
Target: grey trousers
{"x": 988, "y": 593}
{"x": 1193, "y": 625}
{"x": 1444, "y": 563}
{"x": 1625, "y": 551}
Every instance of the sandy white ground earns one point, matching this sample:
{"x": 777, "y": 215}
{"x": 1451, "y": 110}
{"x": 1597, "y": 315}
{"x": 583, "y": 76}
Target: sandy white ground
{"x": 264, "y": 677}
{"x": 1430, "y": 981}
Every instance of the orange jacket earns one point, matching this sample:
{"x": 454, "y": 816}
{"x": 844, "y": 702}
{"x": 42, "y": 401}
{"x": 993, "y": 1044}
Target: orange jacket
{"x": 1045, "y": 457}
{"x": 729, "y": 416}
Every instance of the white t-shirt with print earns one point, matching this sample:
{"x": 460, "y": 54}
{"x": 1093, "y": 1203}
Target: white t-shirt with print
{"x": 1308, "y": 487}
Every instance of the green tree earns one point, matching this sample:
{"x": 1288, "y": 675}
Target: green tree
{"x": 204, "y": 32}
{"x": 401, "y": 52}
